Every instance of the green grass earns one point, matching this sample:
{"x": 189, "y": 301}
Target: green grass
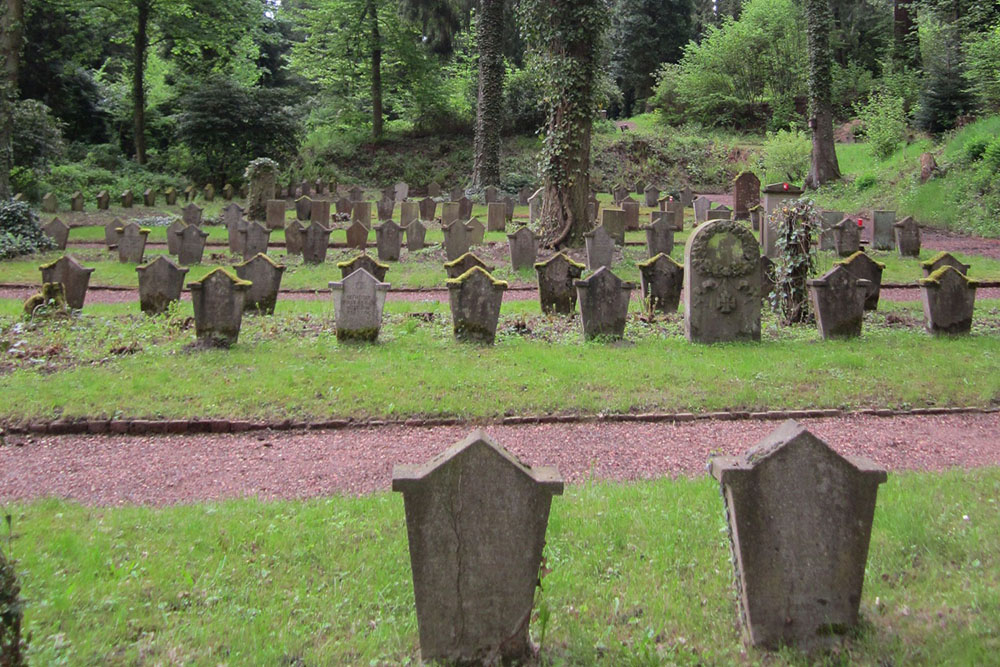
{"x": 640, "y": 575}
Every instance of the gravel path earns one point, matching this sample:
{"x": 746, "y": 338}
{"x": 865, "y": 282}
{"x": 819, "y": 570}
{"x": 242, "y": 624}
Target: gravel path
{"x": 163, "y": 470}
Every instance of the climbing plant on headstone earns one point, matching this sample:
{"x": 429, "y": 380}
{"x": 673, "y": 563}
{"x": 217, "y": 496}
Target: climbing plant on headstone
{"x": 795, "y": 222}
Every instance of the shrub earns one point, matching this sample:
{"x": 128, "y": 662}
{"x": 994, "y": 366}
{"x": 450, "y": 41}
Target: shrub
{"x": 523, "y": 99}
{"x": 864, "y": 182}
{"x": 786, "y": 155}
{"x": 37, "y": 137}
{"x": 884, "y": 122}
{"x": 19, "y": 230}
{"x": 974, "y": 148}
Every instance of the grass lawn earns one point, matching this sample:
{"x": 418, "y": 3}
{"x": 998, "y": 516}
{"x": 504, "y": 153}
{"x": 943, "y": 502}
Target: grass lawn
{"x": 640, "y": 575}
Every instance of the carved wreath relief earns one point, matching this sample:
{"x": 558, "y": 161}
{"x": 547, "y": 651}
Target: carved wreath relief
{"x": 728, "y": 259}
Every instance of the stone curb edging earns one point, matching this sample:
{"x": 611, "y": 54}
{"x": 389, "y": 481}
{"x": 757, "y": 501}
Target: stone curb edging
{"x": 83, "y": 426}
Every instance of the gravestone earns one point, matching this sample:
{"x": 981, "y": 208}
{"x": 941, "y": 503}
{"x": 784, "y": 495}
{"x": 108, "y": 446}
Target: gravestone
{"x": 127, "y": 199}
{"x": 401, "y": 191}
{"x": 828, "y": 220}
{"x": 303, "y": 208}
{"x": 720, "y": 212}
{"x": 355, "y": 194}
{"x": 357, "y": 235}
{"x": 428, "y": 208}
{"x": 294, "y": 234}
{"x": 600, "y": 248}
{"x": 366, "y": 262}
{"x": 619, "y": 194}
{"x": 344, "y": 206}
{"x": 676, "y": 213}
{"x": 496, "y": 217}
{"x": 523, "y": 249}
{"x": 651, "y": 194}
{"x": 509, "y": 203}
{"x": 244, "y": 191}
{"x": 415, "y": 234}
{"x": 388, "y": 241}
{"x": 111, "y": 233}
{"x": 148, "y": 197}
{"x": 613, "y": 221}
{"x": 305, "y": 188}
{"x": 315, "y": 240}
{"x": 192, "y": 245}
{"x": 603, "y": 298}
{"x": 907, "y": 233}
{"x": 775, "y": 195}
{"x": 388, "y": 192}
{"x": 275, "y": 213}
{"x": 556, "y": 288}
{"x": 160, "y": 283}
{"x": 319, "y": 212}
{"x": 173, "y": 235}
{"x": 490, "y": 195}
{"x": 256, "y": 239}
{"x": 721, "y": 283}
{"x": 476, "y": 231}
{"x": 943, "y": 259}
{"x": 800, "y": 518}
{"x": 882, "y": 230}
{"x": 71, "y": 275}
{"x": 640, "y": 187}
{"x": 449, "y": 213}
{"x": 232, "y": 218}
{"x": 358, "y": 300}
{"x": 264, "y": 276}
{"x": 523, "y": 195}
{"x": 191, "y": 214}
{"x": 408, "y": 212}
{"x": 687, "y": 197}
{"x": 209, "y": 192}
{"x": 131, "y": 243}
{"x": 838, "y": 299}
{"x": 476, "y": 520}
{"x": 456, "y": 193}
{"x": 362, "y": 212}
{"x": 76, "y": 201}
{"x": 58, "y": 231}
{"x": 103, "y": 200}
{"x": 170, "y": 196}
{"x": 456, "y": 239}
{"x": 535, "y": 205}
{"x": 661, "y": 279}
{"x": 701, "y": 205}
{"x": 949, "y": 298}
{"x": 433, "y": 190}
{"x": 464, "y": 208}
{"x": 659, "y": 234}
{"x": 746, "y": 193}
{"x": 475, "y": 298}
{"x": 457, "y": 267}
{"x": 631, "y": 210}
{"x": 321, "y": 188}
{"x": 865, "y": 268}
{"x": 190, "y": 192}
{"x": 384, "y": 208}
{"x": 847, "y": 237}
{"x": 218, "y": 307}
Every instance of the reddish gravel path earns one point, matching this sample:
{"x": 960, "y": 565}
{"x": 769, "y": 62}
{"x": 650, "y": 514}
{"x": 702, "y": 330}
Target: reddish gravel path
{"x": 113, "y": 470}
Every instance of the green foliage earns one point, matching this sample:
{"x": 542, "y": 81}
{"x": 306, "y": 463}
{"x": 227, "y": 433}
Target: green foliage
{"x": 12, "y": 645}
{"x": 525, "y": 111}
{"x": 943, "y": 96}
{"x": 37, "y": 135}
{"x": 796, "y": 223}
{"x": 884, "y": 123}
{"x": 982, "y": 59}
{"x": 865, "y": 182}
{"x": 19, "y": 230}
{"x": 786, "y": 155}
{"x": 65, "y": 179}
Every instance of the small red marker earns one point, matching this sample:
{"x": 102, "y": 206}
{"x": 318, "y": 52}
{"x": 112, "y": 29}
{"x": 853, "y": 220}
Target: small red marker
{"x": 785, "y": 186}
{"x": 671, "y": 198}
{"x": 861, "y": 222}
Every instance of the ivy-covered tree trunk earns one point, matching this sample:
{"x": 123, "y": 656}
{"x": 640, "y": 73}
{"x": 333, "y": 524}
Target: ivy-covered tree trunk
{"x": 824, "y": 166}
{"x": 489, "y": 108}
{"x": 11, "y": 31}
{"x": 565, "y": 37}
{"x": 138, "y": 80}
{"x": 376, "y": 49}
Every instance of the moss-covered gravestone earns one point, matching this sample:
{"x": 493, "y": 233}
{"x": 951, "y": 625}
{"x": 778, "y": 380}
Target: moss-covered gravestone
{"x": 190, "y": 192}
{"x": 949, "y": 298}
{"x": 191, "y": 214}
{"x": 131, "y": 243}
{"x": 661, "y": 279}
{"x": 603, "y": 298}
{"x": 475, "y": 298}
{"x": 256, "y": 239}
{"x": 476, "y": 519}
{"x": 476, "y": 231}
{"x": 191, "y": 248}
{"x": 127, "y": 199}
{"x": 613, "y": 221}
{"x": 428, "y": 208}
{"x": 416, "y": 232}
{"x": 294, "y": 237}
{"x": 218, "y": 300}
{"x": 58, "y": 231}
{"x": 208, "y": 192}
{"x": 49, "y": 203}
{"x": 76, "y": 201}
{"x": 864, "y": 267}
{"x": 228, "y": 191}
{"x": 315, "y": 241}
{"x": 357, "y": 235}
{"x": 458, "y": 266}
{"x": 103, "y": 200}
{"x": 49, "y": 302}
{"x": 149, "y": 197}
{"x": 456, "y": 239}
{"x": 907, "y": 233}
{"x": 174, "y": 235}
{"x": 366, "y": 262}
{"x": 943, "y": 259}
{"x": 170, "y": 195}
{"x": 160, "y": 284}
{"x": 600, "y": 248}
{"x": 388, "y": 241}
{"x": 303, "y": 208}
{"x": 882, "y": 230}
{"x": 358, "y": 300}
{"x": 264, "y": 276}
{"x": 523, "y": 249}
{"x": 556, "y": 284}
{"x": 74, "y": 278}
{"x": 800, "y": 519}
{"x": 659, "y": 234}
{"x": 838, "y": 299}
{"x": 847, "y": 237}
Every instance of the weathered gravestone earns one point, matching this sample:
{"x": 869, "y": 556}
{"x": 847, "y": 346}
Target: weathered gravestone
{"x": 943, "y": 259}
{"x": 949, "y": 298}
{"x": 111, "y": 232}
{"x": 428, "y": 208}
{"x": 264, "y": 276}
{"x": 384, "y": 208}
{"x": 191, "y": 214}
{"x": 775, "y": 195}
{"x": 457, "y": 267}
{"x": 76, "y": 201}
{"x": 800, "y": 519}
{"x": 305, "y": 188}
{"x": 838, "y": 299}
{"x": 464, "y": 208}
{"x": 827, "y": 234}
{"x": 556, "y": 283}
{"x": 366, "y": 262}
{"x": 524, "y": 194}
{"x": 170, "y": 196}
{"x": 661, "y": 279}
{"x": 319, "y": 211}
{"x": 256, "y": 239}
{"x": 631, "y": 210}
{"x": 401, "y": 191}
{"x": 228, "y": 191}
{"x": 882, "y": 233}
{"x": 232, "y": 218}
{"x": 303, "y": 208}
{"x": 355, "y": 194}
{"x": 275, "y": 213}
{"x": 456, "y": 193}
{"x": 433, "y": 190}
{"x": 746, "y": 193}
{"x": 619, "y": 194}
{"x": 659, "y": 234}
{"x": 71, "y": 275}
{"x": 127, "y": 199}
{"x": 721, "y": 283}
{"x": 344, "y": 206}
{"x": 358, "y": 300}
{"x": 720, "y": 212}
{"x": 523, "y": 249}
{"x": 509, "y": 203}
{"x": 640, "y": 186}
{"x": 535, "y": 205}
{"x": 315, "y": 241}
{"x": 675, "y": 212}
{"x": 190, "y": 192}
{"x": 148, "y": 197}
{"x": 388, "y": 192}
{"x": 321, "y": 188}
{"x": 362, "y": 212}
{"x": 357, "y": 235}
{"x": 388, "y": 241}
{"x": 907, "y": 237}
{"x": 687, "y": 197}
{"x": 160, "y": 283}
{"x": 456, "y": 239}
{"x": 496, "y": 216}
{"x": 294, "y": 234}
{"x": 103, "y": 200}
{"x": 476, "y": 231}
{"x": 600, "y": 248}
{"x": 701, "y": 205}
{"x": 408, "y": 212}
{"x": 173, "y": 235}
{"x": 476, "y": 520}
{"x": 58, "y": 231}
{"x": 613, "y": 221}
{"x": 865, "y": 268}
{"x": 218, "y": 307}
{"x": 49, "y": 203}
{"x": 208, "y": 192}
{"x": 475, "y": 298}
{"x": 192, "y": 245}
{"x": 847, "y": 237}
{"x": 650, "y": 194}
{"x": 603, "y": 298}
{"x": 131, "y": 243}
{"x": 490, "y": 195}
{"x": 768, "y": 277}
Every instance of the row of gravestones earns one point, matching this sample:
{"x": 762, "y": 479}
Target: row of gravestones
{"x": 127, "y": 199}
{"x": 319, "y": 210}
{"x": 799, "y": 518}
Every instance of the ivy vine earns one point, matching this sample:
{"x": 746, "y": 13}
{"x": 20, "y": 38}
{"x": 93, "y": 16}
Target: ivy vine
{"x": 795, "y": 222}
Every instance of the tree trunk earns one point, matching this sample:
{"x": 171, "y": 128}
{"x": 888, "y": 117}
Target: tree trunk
{"x": 138, "y": 80}
{"x": 824, "y": 166}
{"x": 489, "y": 110}
{"x": 905, "y": 43}
{"x": 11, "y": 33}
{"x": 376, "y": 46}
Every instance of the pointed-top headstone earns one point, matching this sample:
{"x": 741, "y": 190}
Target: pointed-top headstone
{"x": 468, "y": 260}
{"x": 131, "y": 243}
{"x": 58, "y": 231}
{"x": 218, "y": 307}
{"x": 358, "y": 300}
{"x": 949, "y": 298}
{"x": 523, "y": 249}
{"x": 456, "y": 239}
{"x": 160, "y": 284}
{"x": 943, "y": 259}
{"x": 357, "y": 235}
{"x": 659, "y": 233}
{"x": 907, "y": 237}
{"x": 192, "y": 245}
{"x": 264, "y": 276}
{"x": 388, "y": 241}
{"x": 366, "y": 262}
{"x": 475, "y": 298}
{"x": 600, "y": 248}
{"x": 74, "y": 277}
{"x": 603, "y": 298}
{"x": 838, "y": 299}
{"x": 191, "y": 214}
{"x": 864, "y": 267}
{"x": 315, "y": 241}
{"x": 556, "y": 288}
{"x": 661, "y": 279}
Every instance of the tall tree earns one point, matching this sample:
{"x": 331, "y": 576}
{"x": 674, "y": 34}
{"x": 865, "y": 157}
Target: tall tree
{"x": 489, "y": 107}
{"x": 11, "y": 22}
{"x": 824, "y": 166}
{"x": 566, "y": 38}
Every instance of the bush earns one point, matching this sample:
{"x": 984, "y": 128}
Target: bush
{"x": 19, "y": 230}
{"x": 884, "y": 122}
{"x": 37, "y": 138}
{"x": 865, "y": 182}
{"x": 974, "y": 148}
{"x": 523, "y": 99}
{"x": 786, "y": 155}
